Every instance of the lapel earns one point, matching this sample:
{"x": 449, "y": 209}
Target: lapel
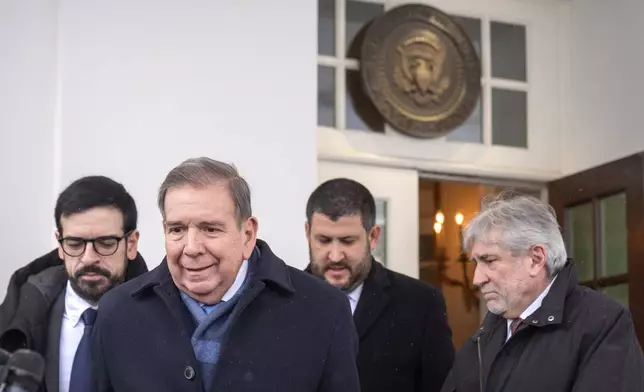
{"x": 491, "y": 337}
{"x": 52, "y": 371}
{"x": 493, "y": 346}
{"x": 169, "y": 294}
{"x": 373, "y": 300}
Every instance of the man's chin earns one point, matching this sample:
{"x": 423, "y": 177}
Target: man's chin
{"x": 496, "y": 308}
{"x": 337, "y": 283}
{"x": 91, "y": 294}
{"x": 91, "y": 290}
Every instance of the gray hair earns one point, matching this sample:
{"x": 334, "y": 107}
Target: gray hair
{"x": 201, "y": 172}
{"x": 522, "y": 222}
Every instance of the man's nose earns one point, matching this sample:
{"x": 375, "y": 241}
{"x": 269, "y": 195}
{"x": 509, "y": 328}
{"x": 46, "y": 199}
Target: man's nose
{"x": 336, "y": 254}
{"x": 480, "y": 277}
{"x": 90, "y": 256}
{"x": 193, "y": 243}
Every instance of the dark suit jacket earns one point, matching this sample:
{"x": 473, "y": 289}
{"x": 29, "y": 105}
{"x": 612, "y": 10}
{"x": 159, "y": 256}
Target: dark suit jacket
{"x": 405, "y": 341}
{"x": 52, "y": 353}
{"x": 32, "y": 311}
{"x": 289, "y": 332}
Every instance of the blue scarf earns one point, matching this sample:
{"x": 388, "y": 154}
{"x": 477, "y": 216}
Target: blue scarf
{"x": 212, "y": 324}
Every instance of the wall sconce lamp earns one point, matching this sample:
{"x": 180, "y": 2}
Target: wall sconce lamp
{"x": 469, "y": 290}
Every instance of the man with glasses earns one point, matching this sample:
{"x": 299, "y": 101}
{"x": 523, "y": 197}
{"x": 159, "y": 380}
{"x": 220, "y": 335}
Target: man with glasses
{"x": 51, "y": 302}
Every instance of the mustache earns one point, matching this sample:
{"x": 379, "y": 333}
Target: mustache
{"x": 338, "y": 264}
{"x": 92, "y": 269}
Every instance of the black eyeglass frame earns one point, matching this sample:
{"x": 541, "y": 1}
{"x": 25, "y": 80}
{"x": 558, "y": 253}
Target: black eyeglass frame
{"x": 93, "y": 241}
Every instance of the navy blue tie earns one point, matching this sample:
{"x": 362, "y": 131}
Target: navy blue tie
{"x": 81, "y": 377}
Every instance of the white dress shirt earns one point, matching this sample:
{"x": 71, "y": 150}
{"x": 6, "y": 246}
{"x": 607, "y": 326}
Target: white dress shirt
{"x": 354, "y": 297}
{"x": 536, "y": 304}
{"x": 239, "y": 281}
{"x": 71, "y": 333}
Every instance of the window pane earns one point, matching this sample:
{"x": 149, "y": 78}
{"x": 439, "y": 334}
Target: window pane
{"x": 358, "y": 15}
{"x": 472, "y": 129}
{"x": 326, "y": 27}
{"x": 581, "y": 241}
{"x": 380, "y": 253}
{"x": 509, "y": 118}
{"x": 326, "y": 96}
{"x": 472, "y": 28}
{"x": 618, "y": 293}
{"x": 613, "y": 236}
{"x": 508, "y": 51}
{"x": 362, "y": 115}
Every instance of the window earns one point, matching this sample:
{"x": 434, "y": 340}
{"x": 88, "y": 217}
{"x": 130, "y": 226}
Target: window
{"x": 597, "y": 242}
{"x": 501, "y": 46}
{"x": 340, "y": 34}
{"x": 380, "y": 253}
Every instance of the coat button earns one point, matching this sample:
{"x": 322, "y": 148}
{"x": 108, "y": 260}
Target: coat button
{"x": 189, "y": 373}
{"x": 551, "y": 318}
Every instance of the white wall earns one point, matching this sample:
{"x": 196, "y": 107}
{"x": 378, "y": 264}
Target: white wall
{"x": 27, "y": 102}
{"x": 606, "y": 61}
{"x": 145, "y": 84}
{"x": 399, "y": 187}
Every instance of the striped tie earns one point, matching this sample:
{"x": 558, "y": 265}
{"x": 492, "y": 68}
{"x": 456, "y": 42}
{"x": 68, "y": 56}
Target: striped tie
{"x": 514, "y": 325}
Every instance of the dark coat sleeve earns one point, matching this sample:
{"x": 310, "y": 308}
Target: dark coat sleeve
{"x": 9, "y": 305}
{"x": 438, "y": 349}
{"x": 614, "y": 360}
{"x": 100, "y": 374}
{"x": 340, "y": 370}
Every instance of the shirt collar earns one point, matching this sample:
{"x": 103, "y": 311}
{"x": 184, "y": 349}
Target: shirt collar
{"x": 536, "y": 304}
{"x": 354, "y": 295}
{"x": 234, "y": 288}
{"x": 74, "y": 305}
{"x": 237, "y": 284}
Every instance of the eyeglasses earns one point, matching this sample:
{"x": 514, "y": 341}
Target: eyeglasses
{"x": 104, "y": 246}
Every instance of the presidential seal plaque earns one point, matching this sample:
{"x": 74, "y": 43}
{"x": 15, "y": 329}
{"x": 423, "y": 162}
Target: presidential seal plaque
{"x": 420, "y": 70}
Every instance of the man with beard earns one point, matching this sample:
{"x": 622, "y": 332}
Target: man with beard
{"x": 51, "y": 302}
{"x": 543, "y": 331}
{"x": 405, "y": 341}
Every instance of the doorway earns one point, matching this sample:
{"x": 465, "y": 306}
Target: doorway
{"x": 600, "y": 210}
{"x": 446, "y": 205}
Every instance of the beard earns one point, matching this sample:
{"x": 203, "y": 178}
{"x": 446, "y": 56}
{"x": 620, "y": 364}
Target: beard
{"x": 358, "y": 271}
{"x": 92, "y": 291}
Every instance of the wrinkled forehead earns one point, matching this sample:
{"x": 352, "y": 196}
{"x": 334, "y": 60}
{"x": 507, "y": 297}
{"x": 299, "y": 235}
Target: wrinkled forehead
{"x": 496, "y": 242}
{"x": 482, "y": 251}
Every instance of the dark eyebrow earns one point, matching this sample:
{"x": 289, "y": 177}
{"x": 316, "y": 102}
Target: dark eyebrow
{"x": 173, "y": 223}
{"x": 73, "y": 237}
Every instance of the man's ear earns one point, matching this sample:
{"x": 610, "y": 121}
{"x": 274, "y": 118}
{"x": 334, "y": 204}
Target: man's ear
{"x": 249, "y": 230}
{"x": 132, "y": 245}
{"x": 539, "y": 258}
{"x": 374, "y": 235}
{"x": 307, "y": 229}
